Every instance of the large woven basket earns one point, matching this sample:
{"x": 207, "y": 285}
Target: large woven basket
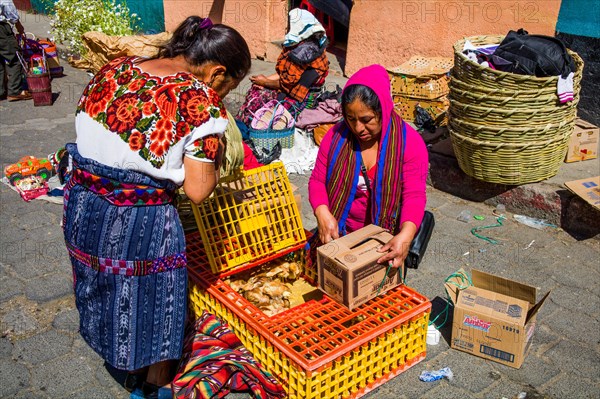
{"x": 508, "y": 128}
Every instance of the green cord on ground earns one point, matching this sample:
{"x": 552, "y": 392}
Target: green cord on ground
{"x": 475, "y": 230}
{"x": 465, "y": 282}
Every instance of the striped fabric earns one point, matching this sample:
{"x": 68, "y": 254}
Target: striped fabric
{"x": 215, "y": 362}
{"x": 344, "y": 161}
{"x": 129, "y": 273}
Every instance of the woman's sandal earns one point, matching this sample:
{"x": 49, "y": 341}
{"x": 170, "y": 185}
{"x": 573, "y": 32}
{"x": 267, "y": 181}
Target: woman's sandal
{"x": 152, "y": 391}
{"x": 133, "y": 381}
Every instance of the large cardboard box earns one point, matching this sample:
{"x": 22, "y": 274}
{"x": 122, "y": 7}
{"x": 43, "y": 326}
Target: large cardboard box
{"x": 348, "y": 270}
{"x": 583, "y": 144}
{"x": 495, "y": 318}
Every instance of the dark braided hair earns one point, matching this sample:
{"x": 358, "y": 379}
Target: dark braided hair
{"x": 209, "y": 43}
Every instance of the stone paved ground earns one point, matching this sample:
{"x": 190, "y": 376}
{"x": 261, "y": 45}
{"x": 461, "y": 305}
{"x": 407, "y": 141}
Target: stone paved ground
{"x": 43, "y": 356}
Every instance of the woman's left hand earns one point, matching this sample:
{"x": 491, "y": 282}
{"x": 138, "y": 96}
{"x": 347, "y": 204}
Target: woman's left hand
{"x": 399, "y": 245}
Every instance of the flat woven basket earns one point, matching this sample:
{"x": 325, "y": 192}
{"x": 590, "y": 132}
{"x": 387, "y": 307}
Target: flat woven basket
{"x": 508, "y": 128}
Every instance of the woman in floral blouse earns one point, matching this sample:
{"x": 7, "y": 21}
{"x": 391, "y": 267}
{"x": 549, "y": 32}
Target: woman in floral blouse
{"x": 144, "y": 128}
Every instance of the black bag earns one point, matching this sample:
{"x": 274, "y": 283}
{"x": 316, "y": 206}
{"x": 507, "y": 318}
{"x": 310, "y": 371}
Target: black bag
{"x": 419, "y": 243}
{"x": 538, "y": 55}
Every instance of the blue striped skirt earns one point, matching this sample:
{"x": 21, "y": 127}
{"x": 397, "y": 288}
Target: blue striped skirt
{"x": 129, "y": 263}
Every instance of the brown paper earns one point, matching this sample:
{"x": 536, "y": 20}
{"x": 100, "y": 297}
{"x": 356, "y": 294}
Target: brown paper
{"x": 102, "y": 48}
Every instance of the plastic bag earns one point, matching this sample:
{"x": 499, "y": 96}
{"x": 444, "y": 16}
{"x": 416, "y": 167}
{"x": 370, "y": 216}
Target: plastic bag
{"x": 424, "y": 121}
{"x": 262, "y": 155}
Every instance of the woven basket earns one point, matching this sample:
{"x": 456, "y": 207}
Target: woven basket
{"x": 40, "y": 88}
{"x": 510, "y": 163}
{"x": 495, "y": 116}
{"x": 508, "y": 128}
{"x": 510, "y": 134}
{"x": 421, "y": 77}
{"x": 470, "y": 72}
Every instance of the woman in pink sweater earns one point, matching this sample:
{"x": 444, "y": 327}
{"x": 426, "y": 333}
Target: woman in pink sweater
{"x": 371, "y": 168}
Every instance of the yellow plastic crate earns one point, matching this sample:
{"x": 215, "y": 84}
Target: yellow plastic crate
{"x": 320, "y": 349}
{"x": 252, "y": 215}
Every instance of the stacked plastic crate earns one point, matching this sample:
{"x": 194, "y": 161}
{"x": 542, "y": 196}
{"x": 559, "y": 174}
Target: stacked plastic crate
{"x": 318, "y": 349}
{"x": 424, "y": 82}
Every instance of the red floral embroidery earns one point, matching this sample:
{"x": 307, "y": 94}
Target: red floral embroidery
{"x": 137, "y": 84}
{"x": 123, "y": 113}
{"x": 193, "y": 106}
{"x": 150, "y": 112}
{"x": 161, "y": 137}
{"x": 146, "y": 96}
{"x": 149, "y": 108}
{"x": 137, "y": 141}
{"x": 166, "y": 100}
{"x": 98, "y": 97}
{"x": 210, "y": 146}
{"x": 215, "y": 100}
{"x": 182, "y": 129}
{"x": 125, "y": 77}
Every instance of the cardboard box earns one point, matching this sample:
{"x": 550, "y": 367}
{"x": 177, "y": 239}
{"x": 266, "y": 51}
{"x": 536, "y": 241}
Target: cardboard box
{"x": 583, "y": 144}
{"x": 495, "y": 318}
{"x": 588, "y": 189}
{"x": 348, "y": 270}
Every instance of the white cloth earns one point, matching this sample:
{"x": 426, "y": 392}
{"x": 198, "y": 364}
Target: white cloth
{"x": 96, "y": 142}
{"x": 302, "y": 156}
{"x": 302, "y": 26}
{"x": 564, "y": 89}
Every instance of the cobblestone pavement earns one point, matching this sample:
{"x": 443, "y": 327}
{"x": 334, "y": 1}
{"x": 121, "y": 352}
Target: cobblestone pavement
{"x": 43, "y": 356}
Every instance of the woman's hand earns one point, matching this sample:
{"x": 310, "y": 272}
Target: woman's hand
{"x": 270, "y": 82}
{"x": 327, "y": 224}
{"x": 260, "y": 80}
{"x": 399, "y": 245}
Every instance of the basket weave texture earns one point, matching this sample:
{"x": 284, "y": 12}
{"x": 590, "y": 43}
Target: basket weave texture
{"x": 508, "y": 128}
{"x": 40, "y": 88}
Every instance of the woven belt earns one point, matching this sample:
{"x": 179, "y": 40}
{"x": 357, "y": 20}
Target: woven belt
{"x": 120, "y": 194}
{"x": 128, "y": 267}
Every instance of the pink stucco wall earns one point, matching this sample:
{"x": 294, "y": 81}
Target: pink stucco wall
{"x": 387, "y": 32}
{"x": 261, "y": 22}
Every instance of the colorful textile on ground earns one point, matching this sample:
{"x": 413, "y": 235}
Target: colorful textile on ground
{"x": 128, "y": 262}
{"x": 149, "y": 113}
{"x": 215, "y": 362}
{"x": 290, "y": 74}
{"x": 256, "y": 97}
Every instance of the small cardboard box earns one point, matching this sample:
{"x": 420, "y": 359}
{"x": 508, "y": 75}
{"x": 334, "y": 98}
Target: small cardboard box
{"x": 588, "y": 189}
{"x": 348, "y": 270}
{"x": 583, "y": 144}
{"x": 495, "y": 318}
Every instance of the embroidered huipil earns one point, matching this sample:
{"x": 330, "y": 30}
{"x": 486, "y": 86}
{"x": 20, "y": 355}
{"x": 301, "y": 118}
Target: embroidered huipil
{"x": 129, "y": 119}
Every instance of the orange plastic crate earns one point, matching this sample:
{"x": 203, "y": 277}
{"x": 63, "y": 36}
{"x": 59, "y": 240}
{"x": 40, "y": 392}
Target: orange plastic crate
{"x": 320, "y": 349}
{"x": 252, "y": 215}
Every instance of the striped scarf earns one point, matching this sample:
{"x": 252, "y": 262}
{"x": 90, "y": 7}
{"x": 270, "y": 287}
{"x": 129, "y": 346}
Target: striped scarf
{"x": 344, "y": 166}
